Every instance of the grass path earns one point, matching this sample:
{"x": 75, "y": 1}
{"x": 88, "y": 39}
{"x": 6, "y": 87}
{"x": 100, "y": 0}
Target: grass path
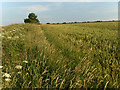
{"x": 60, "y": 56}
{"x": 45, "y": 66}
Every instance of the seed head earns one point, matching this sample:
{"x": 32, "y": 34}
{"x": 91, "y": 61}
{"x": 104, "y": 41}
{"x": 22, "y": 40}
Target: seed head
{"x": 25, "y": 61}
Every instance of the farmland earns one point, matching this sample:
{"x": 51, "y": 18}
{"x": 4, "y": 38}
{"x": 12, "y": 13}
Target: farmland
{"x": 81, "y": 55}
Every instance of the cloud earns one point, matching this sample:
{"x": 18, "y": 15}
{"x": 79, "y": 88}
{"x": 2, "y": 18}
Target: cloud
{"x": 37, "y": 8}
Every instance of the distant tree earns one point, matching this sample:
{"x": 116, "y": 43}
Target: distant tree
{"x": 26, "y": 20}
{"x": 98, "y": 21}
{"x": 32, "y": 18}
{"x": 64, "y": 22}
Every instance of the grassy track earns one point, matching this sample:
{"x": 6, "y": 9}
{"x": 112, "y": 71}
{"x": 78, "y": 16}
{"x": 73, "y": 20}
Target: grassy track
{"x": 61, "y": 56}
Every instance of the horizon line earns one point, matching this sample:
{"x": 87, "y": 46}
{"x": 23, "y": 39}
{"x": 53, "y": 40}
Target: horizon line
{"x": 72, "y": 22}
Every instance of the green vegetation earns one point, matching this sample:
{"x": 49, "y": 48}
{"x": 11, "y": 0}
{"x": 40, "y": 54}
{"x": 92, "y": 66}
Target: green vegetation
{"x": 83, "y": 55}
{"x": 32, "y": 18}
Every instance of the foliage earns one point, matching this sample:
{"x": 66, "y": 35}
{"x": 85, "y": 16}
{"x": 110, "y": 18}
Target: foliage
{"x": 32, "y": 18}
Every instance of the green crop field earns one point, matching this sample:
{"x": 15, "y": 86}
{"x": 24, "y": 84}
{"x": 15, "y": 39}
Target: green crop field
{"x": 81, "y": 55}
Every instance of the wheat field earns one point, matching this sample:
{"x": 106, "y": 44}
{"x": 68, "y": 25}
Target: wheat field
{"x": 80, "y": 55}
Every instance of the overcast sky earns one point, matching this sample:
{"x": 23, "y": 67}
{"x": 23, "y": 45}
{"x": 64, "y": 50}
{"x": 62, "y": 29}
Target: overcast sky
{"x": 16, "y": 12}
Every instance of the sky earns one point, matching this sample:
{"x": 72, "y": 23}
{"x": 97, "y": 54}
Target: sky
{"x": 53, "y": 12}
{"x": 59, "y": 0}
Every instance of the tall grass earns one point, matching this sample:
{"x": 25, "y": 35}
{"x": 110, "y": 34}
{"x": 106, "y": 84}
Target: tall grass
{"x": 61, "y": 56}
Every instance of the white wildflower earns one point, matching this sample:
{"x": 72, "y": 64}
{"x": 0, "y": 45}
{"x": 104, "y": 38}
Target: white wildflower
{"x": 9, "y": 37}
{"x": 1, "y": 66}
{"x": 7, "y": 79}
{"x": 25, "y": 61}
{"x": 19, "y": 72}
{"x": 6, "y": 75}
{"x": 18, "y": 67}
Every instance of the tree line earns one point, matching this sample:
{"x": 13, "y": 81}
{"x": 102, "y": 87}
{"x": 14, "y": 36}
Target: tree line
{"x": 32, "y": 18}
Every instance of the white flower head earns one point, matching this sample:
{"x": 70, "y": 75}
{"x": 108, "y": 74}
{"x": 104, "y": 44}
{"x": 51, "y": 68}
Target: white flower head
{"x": 7, "y": 79}
{"x": 9, "y": 37}
{"x": 6, "y": 75}
{"x": 1, "y": 67}
{"x": 25, "y": 61}
{"x": 19, "y": 72}
{"x": 18, "y": 67}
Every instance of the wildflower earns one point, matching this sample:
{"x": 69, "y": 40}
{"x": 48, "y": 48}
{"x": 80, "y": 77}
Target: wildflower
{"x": 3, "y": 36}
{"x": 18, "y": 67}
{"x": 7, "y": 79}
{"x": 1, "y": 67}
{"x": 25, "y": 61}
{"x": 6, "y": 75}
{"x": 9, "y": 37}
{"x": 19, "y": 72}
